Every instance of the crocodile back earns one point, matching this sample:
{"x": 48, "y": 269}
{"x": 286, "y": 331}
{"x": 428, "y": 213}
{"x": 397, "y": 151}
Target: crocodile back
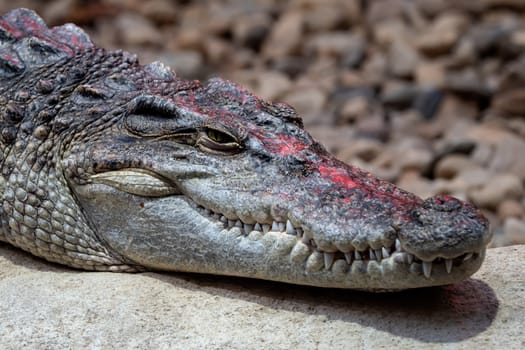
{"x": 26, "y": 43}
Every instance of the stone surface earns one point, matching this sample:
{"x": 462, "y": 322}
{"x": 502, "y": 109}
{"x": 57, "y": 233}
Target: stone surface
{"x": 45, "y": 306}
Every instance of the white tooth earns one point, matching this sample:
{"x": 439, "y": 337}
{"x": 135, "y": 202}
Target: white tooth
{"x": 289, "y": 228}
{"x": 357, "y": 256}
{"x": 348, "y": 258}
{"x": 299, "y": 232}
{"x": 328, "y": 260}
{"x": 216, "y": 216}
{"x": 275, "y": 226}
{"x": 468, "y": 256}
{"x": 410, "y": 258}
{"x": 377, "y": 252}
{"x": 371, "y": 253}
{"x": 280, "y": 225}
{"x": 427, "y": 268}
{"x": 265, "y": 228}
{"x": 248, "y": 228}
{"x": 231, "y": 223}
{"x": 257, "y": 227}
{"x": 305, "y": 240}
{"x": 385, "y": 252}
{"x": 238, "y": 223}
{"x": 223, "y": 219}
{"x": 399, "y": 258}
{"x": 448, "y": 265}
{"x": 398, "y": 245}
{"x": 208, "y": 212}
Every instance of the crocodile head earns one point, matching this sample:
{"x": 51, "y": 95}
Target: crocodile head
{"x": 110, "y": 165}
{"x": 215, "y": 180}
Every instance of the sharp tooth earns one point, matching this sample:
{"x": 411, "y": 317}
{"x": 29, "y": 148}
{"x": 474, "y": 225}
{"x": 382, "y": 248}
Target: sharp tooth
{"x": 427, "y": 268}
{"x": 265, "y": 228}
{"x": 223, "y": 219}
{"x": 399, "y": 258}
{"x": 371, "y": 253}
{"x": 289, "y": 228}
{"x": 248, "y": 228}
{"x": 280, "y": 225}
{"x": 385, "y": 252}
{"x": 299, "y": 232}
{"x": 468, "y": 256}
{"x": 328, "y": 260}
{"x": 305, "y": 240}
{"x": 377, "y": 252}
{"x": 410, "y": 258}
{"x": 348, "y": 258}
{"x": 231, "y": 223}
{"x": 448, "y": 265}
{"x": 238, "y": 223}
{"x": 357, "y": 256}
{"x": 257, "y": 227}
{"x": 275, "y": 226}
{"x": 398, "y": 246}
{"x": 216, "y": 216}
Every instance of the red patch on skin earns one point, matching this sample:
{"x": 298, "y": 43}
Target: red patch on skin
{"x": 288, "y": 145}
{"x": 336, "y": 175}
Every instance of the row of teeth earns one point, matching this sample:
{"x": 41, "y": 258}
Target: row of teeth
{"x": 396, "y": 251}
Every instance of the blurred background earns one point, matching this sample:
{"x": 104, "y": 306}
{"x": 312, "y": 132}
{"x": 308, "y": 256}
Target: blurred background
{"x": 428, "y": 94}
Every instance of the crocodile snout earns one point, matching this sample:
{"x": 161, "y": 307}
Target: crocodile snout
{"x": 444, "y": 227}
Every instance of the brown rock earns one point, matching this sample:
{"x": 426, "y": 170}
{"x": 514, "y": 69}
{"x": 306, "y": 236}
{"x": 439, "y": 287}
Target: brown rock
{"x": 251, "y": 30}
{"x": 334, "y": 139}
{"x": 309, "y": 103}
{"x": 402, "y": 59}
{"x": 413, "y": 154}
{"x": 218, "y": 51}
{"x": 160, "y": 11}
{"x": 452, "y": 164}
{"x": 413, "y": 182}
{"x": 334, "y": 43}
{"x": 514, "y": 230}
{"x": 134, "y": 29}
{"x": 272, "y": 85}
{"x": 511, "y": 102}
{"x": 285, "y": 36}
{"x": 325, "y": 17}
{"x": 506, "y": 149}
{"x": 365, "y": 149}
{"x": 188, "y": 39}
{"x": 381, "y": 10}
{"x": 510, "y": 208}
{"x": 386, "y": 32}
{"x": 430, "y": 73}
{"x": 354, "y": 109}
{"x": 497, "y": 189}
{"x": 464, "y": 54}
{"x": 375, "y": 69}
{"x": 443, "y": 34}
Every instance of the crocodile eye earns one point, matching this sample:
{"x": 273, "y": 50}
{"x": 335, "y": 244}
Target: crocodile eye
{"x": 218, "y": 141}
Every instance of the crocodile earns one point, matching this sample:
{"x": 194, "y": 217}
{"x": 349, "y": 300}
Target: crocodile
{"x": 110, "y": 165}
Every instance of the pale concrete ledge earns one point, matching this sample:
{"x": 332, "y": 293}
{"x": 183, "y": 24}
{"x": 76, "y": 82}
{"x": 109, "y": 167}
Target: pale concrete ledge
{"x": 44, "y": 306}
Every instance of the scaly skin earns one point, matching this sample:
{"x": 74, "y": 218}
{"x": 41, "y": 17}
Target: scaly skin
{"x": 110, "y": 165}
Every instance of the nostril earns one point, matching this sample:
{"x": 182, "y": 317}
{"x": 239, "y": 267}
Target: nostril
{"x": 443, "y": 203}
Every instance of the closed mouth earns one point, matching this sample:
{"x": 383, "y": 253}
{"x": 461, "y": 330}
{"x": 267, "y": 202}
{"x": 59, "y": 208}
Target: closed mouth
{"x": 306, "y": 249}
